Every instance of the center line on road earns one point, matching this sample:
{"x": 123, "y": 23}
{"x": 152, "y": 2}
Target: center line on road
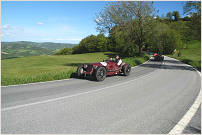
{"x": 70, "y": 96}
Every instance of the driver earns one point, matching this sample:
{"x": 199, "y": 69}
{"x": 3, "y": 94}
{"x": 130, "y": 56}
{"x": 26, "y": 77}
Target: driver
{"x": 118, "y": 60}
{"x": 110, "y": 59}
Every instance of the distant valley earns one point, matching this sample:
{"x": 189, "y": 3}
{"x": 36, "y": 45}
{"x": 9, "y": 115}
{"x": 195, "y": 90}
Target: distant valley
{"x": 25, "y": 48}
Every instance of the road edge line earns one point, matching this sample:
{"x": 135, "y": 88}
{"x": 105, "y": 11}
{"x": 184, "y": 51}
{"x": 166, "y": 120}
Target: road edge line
{"x": 182, "y": 124}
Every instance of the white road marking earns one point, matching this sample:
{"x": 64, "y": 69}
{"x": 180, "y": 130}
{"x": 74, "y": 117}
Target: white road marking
{"x": 36, "y": 83}
{"x": 70, "y": 96}
{"x": 182, "y": 124}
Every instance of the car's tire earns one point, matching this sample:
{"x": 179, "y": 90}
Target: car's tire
{"x": 126, "y": 69}
{"x": 162, "y": 58}
{"x": 100, "y": 74}
{"x": 80, "y": 70}
{"x": 155, "y": 58}
{"x": 159, "y": 58}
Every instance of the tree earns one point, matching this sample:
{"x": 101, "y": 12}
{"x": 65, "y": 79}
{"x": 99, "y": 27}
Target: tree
{"x": 181, "y": 28}
{"x": 92, "y": 43}
{"x": 169, "y": 16}
{"x": 176, "y": 15}
{"x": 193, "y": 9}
{"x": 134, "y": 17}
{"x": 192, "y": 6}
{"x": 164, "y": 39}
{"x": 120, "y": 41}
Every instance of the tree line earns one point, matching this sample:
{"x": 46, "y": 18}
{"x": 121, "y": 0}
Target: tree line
{"x": 133, "y": 27}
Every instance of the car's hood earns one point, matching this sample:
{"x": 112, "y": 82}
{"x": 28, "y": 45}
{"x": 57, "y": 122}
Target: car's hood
{"x": 99, "y": 64}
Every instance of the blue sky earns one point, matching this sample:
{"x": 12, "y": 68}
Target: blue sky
{"x": 64, "y": 22}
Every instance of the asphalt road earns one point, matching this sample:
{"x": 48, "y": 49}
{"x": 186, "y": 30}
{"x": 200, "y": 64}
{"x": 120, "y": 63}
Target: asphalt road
{"x": 151, "y": 100}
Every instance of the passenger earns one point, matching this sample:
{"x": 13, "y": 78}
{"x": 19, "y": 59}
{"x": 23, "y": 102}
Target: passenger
{"x": 118, "y": 60}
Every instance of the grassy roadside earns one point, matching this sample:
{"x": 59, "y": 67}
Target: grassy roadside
{"x": 191, "y": 54}
{"x": 51, "y": 67}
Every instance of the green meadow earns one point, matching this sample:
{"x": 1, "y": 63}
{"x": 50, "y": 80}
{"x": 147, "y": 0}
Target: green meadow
{"x": 52, "y": 67}
{"x": 190, "y": 54}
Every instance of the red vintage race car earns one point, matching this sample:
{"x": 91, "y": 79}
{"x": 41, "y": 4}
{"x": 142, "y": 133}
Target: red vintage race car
{"x": 102, "y": 69}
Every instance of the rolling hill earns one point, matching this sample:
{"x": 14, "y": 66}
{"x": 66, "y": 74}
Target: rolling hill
{"x": 25, "y": 48}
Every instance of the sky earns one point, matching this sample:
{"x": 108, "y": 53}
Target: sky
{"x": 58, "y": 21}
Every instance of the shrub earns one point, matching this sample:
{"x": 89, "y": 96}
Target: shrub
{"x": 64, "y": 51}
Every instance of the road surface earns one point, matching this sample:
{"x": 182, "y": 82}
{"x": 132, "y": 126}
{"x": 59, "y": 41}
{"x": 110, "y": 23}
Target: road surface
{"x": 151, "y": 100}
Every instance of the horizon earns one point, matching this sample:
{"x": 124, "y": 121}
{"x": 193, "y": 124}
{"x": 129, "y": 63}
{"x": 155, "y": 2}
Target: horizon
{"x": 38, "y": 42}
{"x": 59, "y": 21}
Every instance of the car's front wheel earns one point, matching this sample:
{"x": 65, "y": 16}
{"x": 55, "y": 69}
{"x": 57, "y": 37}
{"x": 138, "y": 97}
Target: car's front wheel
{"x": 80, "y": 70}
{"x": 100, "y": 74}
{"x": 126, "y": 70}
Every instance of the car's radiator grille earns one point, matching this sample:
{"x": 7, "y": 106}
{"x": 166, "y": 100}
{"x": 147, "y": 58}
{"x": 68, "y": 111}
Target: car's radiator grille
{"x": 89, "y": 68}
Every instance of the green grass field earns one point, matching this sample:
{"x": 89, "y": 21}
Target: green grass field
{"x": 191, "y": 54}
{"x": 51, "y": 67}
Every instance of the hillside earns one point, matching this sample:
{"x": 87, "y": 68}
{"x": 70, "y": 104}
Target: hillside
{"x": 191, "y": 54}
{"x": 54, "y": 46}
{"x": 24, "y": 48}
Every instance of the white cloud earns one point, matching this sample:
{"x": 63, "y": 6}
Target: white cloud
{"x": 60, "y": 33}
{"x": 5, "y": 26}
{"x": 10, "y": 31}
{"x": 40, "y": 23}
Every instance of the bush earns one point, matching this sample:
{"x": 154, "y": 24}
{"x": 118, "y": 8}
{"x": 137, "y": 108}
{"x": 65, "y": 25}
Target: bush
{"x": 64, "y": 51}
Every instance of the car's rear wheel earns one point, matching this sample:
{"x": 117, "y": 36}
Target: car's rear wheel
{"x": 126, "y": 70}
{"x": 80, "y": 71}
{"x": 100, "y": 74}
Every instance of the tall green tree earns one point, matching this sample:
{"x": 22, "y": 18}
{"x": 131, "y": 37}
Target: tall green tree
{"x": 92, "y": 43}
{"x": 133, "y": 17}
{"x": 169, "y": 16}
{"x": 193, "y": 10}
{"x": 176, "y": 15}
{"x": 192, "y": 7}
{"x": 164, "y": 39}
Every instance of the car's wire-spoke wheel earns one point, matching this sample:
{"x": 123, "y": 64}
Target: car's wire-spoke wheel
{"x": 126, "y": 70}
{"x": 100, "y": 73}
{"x": 80, "y": 70}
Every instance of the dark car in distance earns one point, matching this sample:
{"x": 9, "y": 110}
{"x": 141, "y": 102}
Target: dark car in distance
{"x": 158, "y": 57}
